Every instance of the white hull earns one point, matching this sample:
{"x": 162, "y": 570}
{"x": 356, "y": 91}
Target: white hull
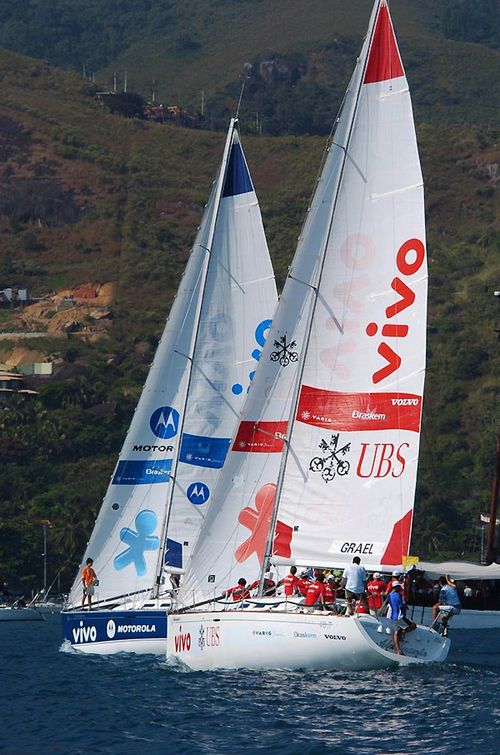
{"x": 19, "y": 614}
{"x": 466, "y": 619}
{"x": 140, "y": 646}
{"x": 263, "y": 639}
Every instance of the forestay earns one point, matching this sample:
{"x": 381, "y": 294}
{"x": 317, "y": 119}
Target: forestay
{"x": 333, "y": 418}
{"x": 195, "y": 389}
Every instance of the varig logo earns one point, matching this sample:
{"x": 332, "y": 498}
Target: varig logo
{"x": 182, "y": 641}
{"x": 331, "y": 462}
{"x": 409, "y": 260}
{"x": 164, "y": 422}
{"x": 84, "y": 634}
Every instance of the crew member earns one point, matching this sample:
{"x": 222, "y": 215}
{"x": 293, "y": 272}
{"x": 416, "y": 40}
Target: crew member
{"x": 239, "y": 591}
{"x": 89, "y": 579}
{"x": 291, "y": 582}
{"x": 316, "y": 591}
{"x": 331, "y": 595}
{"x": 354, "y": 582}
{"x": 376, "y": 589}
{"x": 448, "y": 598}
{"x": 396, "y": 615}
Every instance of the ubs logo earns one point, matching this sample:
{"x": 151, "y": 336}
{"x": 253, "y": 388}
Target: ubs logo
{"x": 331, "y": 463}
{"x": 164, "y": 422}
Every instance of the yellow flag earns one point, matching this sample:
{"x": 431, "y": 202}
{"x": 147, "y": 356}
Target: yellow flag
{"x": 409, "y": 561}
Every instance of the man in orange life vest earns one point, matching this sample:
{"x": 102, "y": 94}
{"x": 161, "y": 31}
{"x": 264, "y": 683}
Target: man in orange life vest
{"x": 89, "y": 579}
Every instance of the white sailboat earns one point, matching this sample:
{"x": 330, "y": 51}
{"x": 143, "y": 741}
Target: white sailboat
{"x": 163, "y": 481}
{"x": 323, "y": 465}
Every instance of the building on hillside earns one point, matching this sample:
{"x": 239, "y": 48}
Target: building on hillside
{"x": 11, "y": 383}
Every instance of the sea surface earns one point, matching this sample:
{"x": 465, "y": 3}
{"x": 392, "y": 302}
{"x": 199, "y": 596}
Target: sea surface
{"x": 67, "y": 702}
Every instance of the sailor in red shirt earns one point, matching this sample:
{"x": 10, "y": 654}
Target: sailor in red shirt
{"x": 239, "y": 591}
{"x": 316, "y": 592}
{"x": 303, "y": 584}
{"x": 331, "y": 595}
{"x": 291, "y": 582}
{"x": 376, "y": 589}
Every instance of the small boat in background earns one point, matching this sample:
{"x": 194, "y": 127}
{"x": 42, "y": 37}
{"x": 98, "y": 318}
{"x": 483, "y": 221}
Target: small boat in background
{"x": 19, "y": 611}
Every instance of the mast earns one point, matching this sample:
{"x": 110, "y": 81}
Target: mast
{"x": 315, "y": 288}
{"x": 190, "y": 356}
{"x": 490, "y": 548}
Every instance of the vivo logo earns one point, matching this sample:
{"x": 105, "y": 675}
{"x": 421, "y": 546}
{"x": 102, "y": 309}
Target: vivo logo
{"x": 409, "y": 259}
{"x": 182, "y": 641}
{"x": 84, "y": 634}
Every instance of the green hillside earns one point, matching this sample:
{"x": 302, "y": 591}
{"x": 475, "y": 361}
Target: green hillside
{"x": 307, "y": 47}
{"x": 90, "y": 197}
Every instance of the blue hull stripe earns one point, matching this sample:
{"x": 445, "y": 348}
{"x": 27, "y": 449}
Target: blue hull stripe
{"x": 87, "y": 628}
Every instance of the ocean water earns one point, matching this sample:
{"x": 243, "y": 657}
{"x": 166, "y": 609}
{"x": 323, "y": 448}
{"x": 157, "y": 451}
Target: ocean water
{"x": 67, "y": 702}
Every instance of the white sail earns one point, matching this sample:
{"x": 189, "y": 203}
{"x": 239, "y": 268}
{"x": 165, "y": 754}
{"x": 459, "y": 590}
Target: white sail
{"x": 240, "y": 296}
{"x": 341, "y": 377}
{"x": 195, "y": 388}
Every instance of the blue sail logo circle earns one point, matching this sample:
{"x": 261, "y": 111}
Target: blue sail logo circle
{"x": 164, "y": 422}
{"x": 198, "y": 493}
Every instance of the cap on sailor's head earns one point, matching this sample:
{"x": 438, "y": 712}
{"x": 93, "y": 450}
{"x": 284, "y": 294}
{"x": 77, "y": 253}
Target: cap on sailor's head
{"x": 396, "y": 573}
{"x": 377, "y": 575}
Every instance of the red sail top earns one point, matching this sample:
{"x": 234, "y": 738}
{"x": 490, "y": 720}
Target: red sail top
{"x": 383, "y": 60}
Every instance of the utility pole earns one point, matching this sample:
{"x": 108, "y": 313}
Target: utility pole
{"x": 202, "y": 103}
{"x": 153, "y": 96}
{"x": 125, "y": 82}
{"x": 114, "y": 82}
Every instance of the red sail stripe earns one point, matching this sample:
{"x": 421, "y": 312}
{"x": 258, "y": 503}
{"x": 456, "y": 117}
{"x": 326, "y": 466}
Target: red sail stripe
{"x": 399, "y": 542}
{"x": 384, "y": 61}
{"x": 359, "y": 411}
{"x": 260, "y": 437}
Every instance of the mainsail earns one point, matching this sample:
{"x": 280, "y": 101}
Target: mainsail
{"x": 190, "y": 403}
{"x": 327, "y": 447}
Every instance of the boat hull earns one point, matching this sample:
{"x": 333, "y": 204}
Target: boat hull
{"x": 263, "y": 640}
{"x": 19, "y": 614}
{"x": 118, "y": 631}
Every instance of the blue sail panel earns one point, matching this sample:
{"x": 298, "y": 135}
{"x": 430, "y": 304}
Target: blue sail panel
{"x": 142, "y": 472}
{"x": 173, "y": 554}
{"x": 204, "y": 452}
{"x": 238, "y": 179}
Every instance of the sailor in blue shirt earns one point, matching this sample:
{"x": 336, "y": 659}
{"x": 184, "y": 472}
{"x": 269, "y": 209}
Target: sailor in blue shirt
{"x": 448, "y": 598}
{"x": 397, "y": 614}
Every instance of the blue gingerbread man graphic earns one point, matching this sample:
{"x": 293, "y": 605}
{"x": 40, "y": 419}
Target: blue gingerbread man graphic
{"x": 138, "y": 542}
